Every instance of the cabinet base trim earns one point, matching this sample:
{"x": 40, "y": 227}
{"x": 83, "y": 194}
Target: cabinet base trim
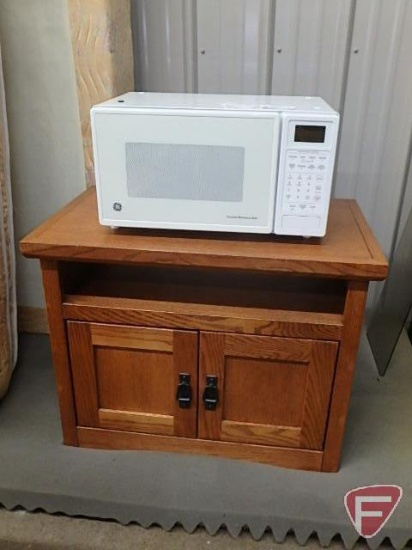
{"x": 302, "y": 459}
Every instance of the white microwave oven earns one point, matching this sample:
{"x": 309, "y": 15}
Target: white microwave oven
{"x": 249, "y": 164}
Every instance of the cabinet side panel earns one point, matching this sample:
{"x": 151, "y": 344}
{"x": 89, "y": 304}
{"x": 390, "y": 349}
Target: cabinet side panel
{"x": 353, "y": 318}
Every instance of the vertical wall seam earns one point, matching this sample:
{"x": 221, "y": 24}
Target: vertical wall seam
{"x": 297, "y": 46}
{"x": 394, "y": 46}
{"x": 195, "y": 47}
{"x": 242, "y": 53}
{"x": 270, "y": 46}
{"x": 344, "y": 85}
{"x": 347, "y": 58}
{"x": 167, "y": 21}
{"x": 408, "y": 164}
{"x": 144, "y": 40}
{"x": 319, "y": 38}
{"x": 363, "y": 98}
{"x": 190, "y": 46}
{"x": 187, "y": 46}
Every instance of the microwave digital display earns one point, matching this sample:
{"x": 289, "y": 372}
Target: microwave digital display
{"x": 310, "y": 134}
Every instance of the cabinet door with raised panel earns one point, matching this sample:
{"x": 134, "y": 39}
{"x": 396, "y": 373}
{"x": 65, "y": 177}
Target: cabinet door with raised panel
{"x": 264, "y": 390}
{"x": 134, "y": 379}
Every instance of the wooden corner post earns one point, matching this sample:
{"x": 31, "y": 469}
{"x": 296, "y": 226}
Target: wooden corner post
{"x": 60, "y": 352}
{"x": 352, "y": 327}
{"x": 103, "y": 56}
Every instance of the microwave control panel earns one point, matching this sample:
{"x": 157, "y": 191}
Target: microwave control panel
{"x": 306, "y": 166}
{"x": 305, "y": 185}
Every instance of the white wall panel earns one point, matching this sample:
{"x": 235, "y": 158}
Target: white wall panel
{"x": 310, "y": 48}
{"x": 164, "y": 45}
{"x": 44, "y": 124}
{"x": 377, "y": 119}
{"x": 234, "y": 46}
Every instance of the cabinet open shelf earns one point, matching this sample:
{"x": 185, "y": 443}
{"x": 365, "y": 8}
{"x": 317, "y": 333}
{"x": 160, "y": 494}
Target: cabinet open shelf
{"x": 201, "y": 299}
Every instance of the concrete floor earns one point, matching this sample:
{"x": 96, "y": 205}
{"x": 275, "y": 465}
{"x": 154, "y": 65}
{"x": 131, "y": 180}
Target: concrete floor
{"x": 21, "y": 530}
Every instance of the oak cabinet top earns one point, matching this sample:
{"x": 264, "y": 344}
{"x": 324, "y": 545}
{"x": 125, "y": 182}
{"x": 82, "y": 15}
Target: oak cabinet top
{"x": 349, "y": 250}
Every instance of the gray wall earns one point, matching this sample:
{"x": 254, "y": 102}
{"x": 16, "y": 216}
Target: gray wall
{"x": 45, "y": 138}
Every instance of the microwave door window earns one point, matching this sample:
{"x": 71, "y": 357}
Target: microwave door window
{"x": 185, "y": 172}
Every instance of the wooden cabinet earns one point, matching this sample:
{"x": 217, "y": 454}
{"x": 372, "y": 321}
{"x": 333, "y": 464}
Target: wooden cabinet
{"x": 228, "y": 345}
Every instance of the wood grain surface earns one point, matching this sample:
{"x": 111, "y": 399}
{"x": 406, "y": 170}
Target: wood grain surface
{"x": 272, "y": 391}
{"x": 32, "y": 320}
{"x": 204, "y": 299}
{"x": 276, "y": 390}
{"x": 60, "y": 350}
{"x": 109, "y": 336}
{"x": 161, "y": 424}
{"x": 276, "y": 320}
{"x": 84, "y": 374}
{"x": 211, "y": 363}
{"x": 126, "y": 377}
{"x": 135, "y": 380}
{"x": 348, "y": 350}
{"x": 103, "y": 56}
{"x": 185, "y": 361}
{"x": 348, "y": 251}
{"x": 318, "y": 394}
{"x": 214, "y": 318}
{"x": 261, "y": 434}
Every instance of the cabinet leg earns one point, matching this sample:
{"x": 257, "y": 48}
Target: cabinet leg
{"x": 352, "y": 326}
{"x": 58, "y": 341}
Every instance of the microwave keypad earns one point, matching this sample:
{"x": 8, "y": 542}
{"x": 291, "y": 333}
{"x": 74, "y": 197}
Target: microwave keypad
{"x": 305, "y": 177}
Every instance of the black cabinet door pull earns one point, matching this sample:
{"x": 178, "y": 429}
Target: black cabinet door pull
{"x": 211, "y": 393}
{"x": 184, "y": 391}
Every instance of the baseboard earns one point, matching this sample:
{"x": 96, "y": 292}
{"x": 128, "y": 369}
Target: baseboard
{"x": 32, "y": 319}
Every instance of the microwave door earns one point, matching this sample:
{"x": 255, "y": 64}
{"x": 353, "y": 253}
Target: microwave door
{"x": 214, "y": 173}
